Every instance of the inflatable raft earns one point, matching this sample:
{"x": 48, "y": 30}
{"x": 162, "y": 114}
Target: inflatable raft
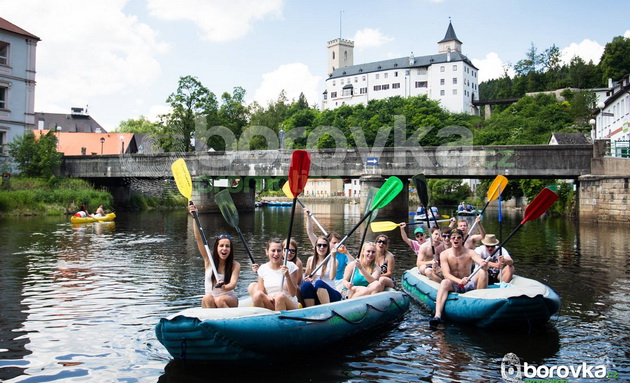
{"x": 105, "y": 218}
{"x": 255, "y": 333}
{"x": 522, "y": 303}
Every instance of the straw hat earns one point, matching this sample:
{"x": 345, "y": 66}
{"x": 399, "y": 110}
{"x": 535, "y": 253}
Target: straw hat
{"x": 490, "y": 240}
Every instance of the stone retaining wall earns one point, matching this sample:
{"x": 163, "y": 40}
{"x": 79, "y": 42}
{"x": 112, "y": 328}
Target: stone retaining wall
{"x": 604, "y": 198}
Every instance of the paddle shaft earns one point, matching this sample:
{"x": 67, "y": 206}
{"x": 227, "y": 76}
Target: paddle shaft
{"x": 205, "y": 244}
{"x": 286, "y": 248}
{"x": 249, "y": 252}
{"x": 311, "y": 216}
{"x": 340, "y": 243}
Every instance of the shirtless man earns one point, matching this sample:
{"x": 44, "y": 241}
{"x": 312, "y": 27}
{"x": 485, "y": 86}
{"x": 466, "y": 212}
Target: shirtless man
{"x": 427, "y": 255}
{"x": 473, "y": 239}
{"x": 456, "y": 264}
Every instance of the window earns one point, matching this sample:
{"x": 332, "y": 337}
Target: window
{"x": 333, "y": 55}
{"x": 3, "y": 96}
{"x": 395, "y": 74}
{"x": 377, "y": 87}
{"x": 4, "y": 53}
{"x": 454, "y": 80}
{"x": 454, "y": 92}
{"x": 364, "y": 77}
{"x": 421, "y": 84}
{"x": 347, "y": 92}
{"x": 441, "y": 81}
{"x": 334, "y": 83}
{"x": 396, "y": 85}
{"x": 333, "y": 94}
{"x": 407, "y": 72}
{"x": 385, "y": 75}
{"x": 362, "y": 90}
{"x": 454, "y": 68}
{"x": 356, "y": 80}
{"x": 442, "y": 92}
{"x": 377, "y": 75}
{"x": 385, "y": 87}
{"x": 442, "y": 68}
{"x": 422, "y": 71}
{"x": 341, "y": 81}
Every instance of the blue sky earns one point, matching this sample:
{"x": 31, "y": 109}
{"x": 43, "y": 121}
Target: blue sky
{"x": 123, "y": 58}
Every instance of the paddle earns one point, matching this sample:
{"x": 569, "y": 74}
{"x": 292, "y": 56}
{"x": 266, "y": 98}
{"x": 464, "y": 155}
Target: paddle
{"x": 500, "y": 239}
{"x": 423, "y": 194}
{"x": 443, "y": 215}
{"x": 226, "y": 205}
{"x": 385, "y": 195}
{"x": 494, "y": 191}
{"x": 184, "y": 185}
{"x": 287, "y": 191}
{"x": 298, "y": 176}
{"x": 389, "y": 225}
{"x": 535, "y": 209}
{"x": 371, "y": 193}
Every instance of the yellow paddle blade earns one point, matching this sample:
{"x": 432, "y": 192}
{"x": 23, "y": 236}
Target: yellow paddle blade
{"x": 383, "y": 226}
{"x": 182, "y": 178}
{"x": 287, "y": 190}
{"x": 496, "y": 188}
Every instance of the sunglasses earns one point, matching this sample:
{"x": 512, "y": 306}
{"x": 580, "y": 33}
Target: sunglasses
{"x": 446, "y": 236}
{"x": 419, "y": 234}
{"x": 490, "y": 246}
{"x": 456, "y": 237}
{"x": 292, "y": 251}
{"x": 381, "y": 241}
{"x": 322, "y": 245}
{"x": 224, "y": 236}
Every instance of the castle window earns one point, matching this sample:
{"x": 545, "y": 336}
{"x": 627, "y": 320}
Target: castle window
{"x": 363, "y": 90}
{"x": 454, "y": 92}
{"x": 4, "y": 53}
{"x": 421, "y": 84}
{"x": 441, "y": 81}
{"x": 385, "y": 86}
{"x": 333, "y": 55}
{"x": 395, "y": 74}
{"x": 333, "y": 94}
{"x": 442, "y": 68}
{"x": 385, "y": 75}
{"x": 377, "y": 76}
{"x": 377, "y": 87}
{"x": 442, "y": 92}
{"x": 454, "y": 80}
{"x": 396, "y": 85}
{"x": 454, "y": 68}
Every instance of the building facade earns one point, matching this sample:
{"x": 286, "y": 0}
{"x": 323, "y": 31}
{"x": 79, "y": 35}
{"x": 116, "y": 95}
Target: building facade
{"x": 17, "y": 82}
{"x": 613, "y": 118}
{"x": 448, "y": 77}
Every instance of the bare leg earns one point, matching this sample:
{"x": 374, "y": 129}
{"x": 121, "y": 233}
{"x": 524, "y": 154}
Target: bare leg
{"x": 283, "y": 302}
{"x": 386, "y": 282}
{"x": 322, "y": 295}
{"x": 508, "y": 273}
{"x": 481, "y": 279}
{"x": 445, "y": 288}
{"x": 226, "y": 301}
{"x": 207, "y": 302}
{"x": 260, "y": 299}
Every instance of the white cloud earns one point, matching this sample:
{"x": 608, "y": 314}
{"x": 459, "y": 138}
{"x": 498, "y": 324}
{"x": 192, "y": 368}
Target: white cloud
{"x": 294, "y": 79}
{"x": 369, "y": 38}
{"x": 627, "y": 34}
{"x": 588, "y": 50}
{"x": 219, "y": 20}
{"x": 88, "y": 49}
{"x": 491, "y": 67}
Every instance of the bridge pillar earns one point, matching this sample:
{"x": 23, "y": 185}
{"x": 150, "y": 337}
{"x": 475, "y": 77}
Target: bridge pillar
{"x": 242, "y": 193}
{"x": 399, "y": 206}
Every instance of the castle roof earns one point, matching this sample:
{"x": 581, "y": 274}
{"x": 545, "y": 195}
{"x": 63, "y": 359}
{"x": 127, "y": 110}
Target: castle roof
{"x": 450, "y": 34}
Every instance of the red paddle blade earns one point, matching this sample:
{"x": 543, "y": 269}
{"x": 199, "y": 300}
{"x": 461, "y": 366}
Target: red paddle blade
{"x": 298, "y": 171}
{"x": 539, "y": 205}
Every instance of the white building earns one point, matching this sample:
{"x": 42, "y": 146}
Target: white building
{"x": 613, "y": 118}
{"x": 17, "y": 82}
{"x": 448, "y": 77}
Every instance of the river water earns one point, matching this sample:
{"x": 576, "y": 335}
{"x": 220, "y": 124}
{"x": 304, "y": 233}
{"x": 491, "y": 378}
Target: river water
{"x": 79, "y": 302}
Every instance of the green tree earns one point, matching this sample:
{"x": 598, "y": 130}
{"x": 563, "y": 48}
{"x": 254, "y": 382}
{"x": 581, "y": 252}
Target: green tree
{"x": 447, "y": 191}
{"x": 531, "y": 63}
{"x": 191, "y": 101}
{"x": 36, "y": 158}
{"x": 139, "y": 125}
{"x": 615, "y": 61}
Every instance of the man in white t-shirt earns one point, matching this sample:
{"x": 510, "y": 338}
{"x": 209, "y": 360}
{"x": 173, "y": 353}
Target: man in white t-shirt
{"x": 500, "y": 264}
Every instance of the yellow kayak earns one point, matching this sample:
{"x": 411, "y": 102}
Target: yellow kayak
{"x": 104, "y": 218}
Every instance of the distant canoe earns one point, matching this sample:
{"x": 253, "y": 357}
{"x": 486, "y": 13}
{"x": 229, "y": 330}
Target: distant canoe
{"x": 278, "y": 203}
{"x": 468, "y": 212}
{"x": 105, "y": 218}
{"x": 523, "y": 303}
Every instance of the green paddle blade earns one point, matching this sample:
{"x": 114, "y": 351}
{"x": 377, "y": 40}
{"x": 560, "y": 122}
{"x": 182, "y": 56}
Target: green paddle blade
{"x": 496, "y": 187}
{"x": 386, "y": 193}
{"x": 421, "y": 188}
{"x": 383, "y": 226}
{"x": 539, "y": 205}
{"x": 182, "y": 178}
{"x": 226, "y": 206}
{"x": 298, "y": 171}
{"x": 371, "y": 195}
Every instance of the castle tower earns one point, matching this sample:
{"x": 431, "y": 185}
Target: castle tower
{"x": 450, "y": 42}
{"x": 340, "y": 54}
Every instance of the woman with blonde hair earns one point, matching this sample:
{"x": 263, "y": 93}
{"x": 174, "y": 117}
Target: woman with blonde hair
{"x": 365, "y": 279}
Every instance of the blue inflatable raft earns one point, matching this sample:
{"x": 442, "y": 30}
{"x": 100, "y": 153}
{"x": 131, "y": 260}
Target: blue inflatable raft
{"x": 522, "y": 303}
{"x": 244, "y": 333}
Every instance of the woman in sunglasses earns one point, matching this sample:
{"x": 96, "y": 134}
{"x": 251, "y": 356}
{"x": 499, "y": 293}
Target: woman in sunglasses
{"x": 385, "y": 260}
{"x": 294, "y": 257}
{"x": 320, "y": 288}
{"x": 270, "y": 292}
{"x": 219, "y": 289}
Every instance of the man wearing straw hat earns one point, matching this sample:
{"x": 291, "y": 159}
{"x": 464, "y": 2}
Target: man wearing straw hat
{"x": 500, "y": 263}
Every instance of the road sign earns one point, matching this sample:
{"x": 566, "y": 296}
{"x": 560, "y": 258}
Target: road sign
{"x": 372, "y": 161}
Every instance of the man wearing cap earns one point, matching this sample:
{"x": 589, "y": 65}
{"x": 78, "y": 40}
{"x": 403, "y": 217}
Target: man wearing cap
{"x": 456, "y": 264}
{"x": 419, "y": 234}
{"x": 428, "y": 255}
{"x": 499, "y": 263}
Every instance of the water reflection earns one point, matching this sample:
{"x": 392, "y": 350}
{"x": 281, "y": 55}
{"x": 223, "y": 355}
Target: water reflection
{"x": 79, "y": 302}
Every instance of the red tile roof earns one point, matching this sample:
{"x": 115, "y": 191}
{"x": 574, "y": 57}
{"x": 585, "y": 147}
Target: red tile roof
{"x": 7, "y": 26}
